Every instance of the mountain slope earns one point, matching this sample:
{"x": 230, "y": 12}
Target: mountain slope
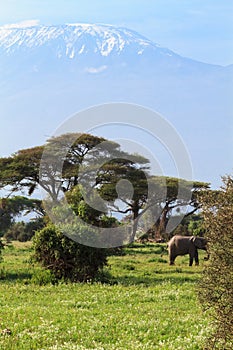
{"x": 50, "y": 72}
{"x": 84, "y": 45}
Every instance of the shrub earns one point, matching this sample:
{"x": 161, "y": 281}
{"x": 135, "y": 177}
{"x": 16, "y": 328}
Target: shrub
{"x": 216, "y": 287}
{"x": 65, "y": 258}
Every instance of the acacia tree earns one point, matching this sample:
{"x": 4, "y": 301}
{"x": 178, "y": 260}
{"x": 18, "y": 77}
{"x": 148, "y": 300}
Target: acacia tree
{"x": 21, "y": 170}
{"x": 86, "y": 159}
{"x": 216, "y": 286}
{"x": 155, "y": 199}
{"x": 125, "y": 186}
{"x": 178, "y": 196}
{"x": 73, "y": 151}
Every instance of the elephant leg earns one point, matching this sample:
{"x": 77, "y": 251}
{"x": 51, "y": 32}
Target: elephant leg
{"x": 190, "y": 260}
{"x": 172, "y": 260}
{"x": 196, "y": 258}
{"x": 172, "y": 255}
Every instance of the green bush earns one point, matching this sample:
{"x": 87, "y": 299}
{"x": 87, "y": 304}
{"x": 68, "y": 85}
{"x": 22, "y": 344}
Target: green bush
{"x": 216, "y": 287}
{"x": 65, "y": 258}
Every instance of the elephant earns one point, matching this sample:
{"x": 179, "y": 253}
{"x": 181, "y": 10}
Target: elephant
{"x": 182, "y": 245}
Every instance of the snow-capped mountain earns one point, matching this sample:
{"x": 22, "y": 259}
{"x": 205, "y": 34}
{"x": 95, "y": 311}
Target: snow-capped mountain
{"x": 73, "y": 40}
{"x": 50, "y": 72}
{"x": 89, "y": 47}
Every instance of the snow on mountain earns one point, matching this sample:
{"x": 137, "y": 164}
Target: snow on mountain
{"x": 76, "y": 39}
{"x": 91, "y": 49}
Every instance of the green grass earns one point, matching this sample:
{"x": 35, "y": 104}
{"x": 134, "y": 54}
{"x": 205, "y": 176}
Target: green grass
{"x": 146, "y": 304}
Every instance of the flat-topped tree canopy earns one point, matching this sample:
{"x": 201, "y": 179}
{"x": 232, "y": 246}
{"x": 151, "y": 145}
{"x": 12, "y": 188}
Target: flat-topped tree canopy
{"x": 56, "y": 165}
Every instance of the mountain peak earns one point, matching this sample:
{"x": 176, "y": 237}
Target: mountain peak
{"x": 74, "y": 39}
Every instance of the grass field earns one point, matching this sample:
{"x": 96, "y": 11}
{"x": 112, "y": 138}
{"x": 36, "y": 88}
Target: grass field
{"x": 144, "y": 304}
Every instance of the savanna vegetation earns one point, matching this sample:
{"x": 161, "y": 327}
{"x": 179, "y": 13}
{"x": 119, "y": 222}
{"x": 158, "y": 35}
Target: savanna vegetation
{"x": 58, "y": 293}
{"x": 137, "y": 302}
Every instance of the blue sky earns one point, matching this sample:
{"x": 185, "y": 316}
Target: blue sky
{"x": 198, "y": 29}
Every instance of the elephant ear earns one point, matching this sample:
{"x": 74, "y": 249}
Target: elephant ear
{"x": 197, "y": 241}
